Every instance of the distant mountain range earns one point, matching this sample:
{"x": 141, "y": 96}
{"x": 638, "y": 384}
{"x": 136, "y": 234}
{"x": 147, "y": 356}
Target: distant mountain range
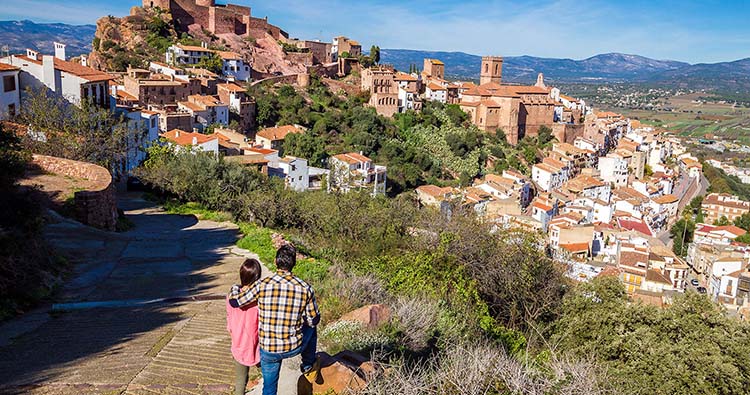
{"x": 611, "y": 67}
{"x": 19, "y": 35}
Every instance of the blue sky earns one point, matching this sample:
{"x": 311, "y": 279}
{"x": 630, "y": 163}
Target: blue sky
{"x": 705, "y": 31}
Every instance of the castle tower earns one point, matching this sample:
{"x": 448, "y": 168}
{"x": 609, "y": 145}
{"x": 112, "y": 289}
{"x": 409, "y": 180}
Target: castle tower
{"x": 492, "y": 70}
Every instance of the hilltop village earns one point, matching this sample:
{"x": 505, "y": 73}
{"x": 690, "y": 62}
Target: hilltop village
{"x": 602, "y": 189}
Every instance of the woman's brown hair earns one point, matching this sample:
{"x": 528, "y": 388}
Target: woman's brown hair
{"x": 249, "y": 272}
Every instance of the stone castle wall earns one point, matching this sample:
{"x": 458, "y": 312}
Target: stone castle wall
{"x": 96, "y": 207}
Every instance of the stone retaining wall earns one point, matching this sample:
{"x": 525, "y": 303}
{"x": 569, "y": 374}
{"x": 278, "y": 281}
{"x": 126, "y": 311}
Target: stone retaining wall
{"x": 96, "y": 207}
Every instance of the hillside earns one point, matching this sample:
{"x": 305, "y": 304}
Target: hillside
{"x": 727, "y": 77}
{"x": 19, "y": 35}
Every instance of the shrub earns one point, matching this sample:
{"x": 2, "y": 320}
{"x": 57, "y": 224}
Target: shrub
{"x": 353, "y": 336}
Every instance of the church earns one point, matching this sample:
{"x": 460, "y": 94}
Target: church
{"x": 515, "y": 109}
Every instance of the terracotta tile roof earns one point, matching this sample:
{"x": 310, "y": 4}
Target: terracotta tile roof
{"x": 731, "y": 229}
{"x": 181, "y": 137}
{"x": 228, "y": 55}
{"x": 7, "y": 67}
{"x": 546, "y": 168}
{"x": 636, "y": 225}
{"x": 352, "y": 158}
{"x": 278, "y": 133}
{"x": 260, "y": 150}
{"x": 666, "y": 199}
{"x": 404, "y": 77}
{"x": 610, "y": 271}
{"x": 193, "y": 48}
{"x": 657, "y": 277}
{"x": 231, "y": 87}
{"x": 576, "y": 247}
{"x": 584, "y": 182}
{"x": 435, "y": 87}
{"x": 435, "y": 191}
{"x": 191, "y": 106}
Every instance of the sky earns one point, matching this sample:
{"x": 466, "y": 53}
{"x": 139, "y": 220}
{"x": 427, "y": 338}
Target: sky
{"x": 690, "y": 31}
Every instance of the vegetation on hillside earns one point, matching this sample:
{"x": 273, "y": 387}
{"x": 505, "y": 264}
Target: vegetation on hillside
{"x": 437, "y": 145}
{"x": 460, "y": 292}
{"x": 28, "y": 271}
{"x": 721, "y": 182}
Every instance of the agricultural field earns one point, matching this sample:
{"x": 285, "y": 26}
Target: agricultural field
{"x": 691, "y": 116}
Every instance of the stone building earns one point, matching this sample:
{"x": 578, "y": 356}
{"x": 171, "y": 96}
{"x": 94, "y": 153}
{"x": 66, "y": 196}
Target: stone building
{"x": 215, "y": 18}
{"x": 158, "y": 89}
{"x": 342, "y": 45}
{"x": 434, "y": 68}
{"x": 380, "y": 82}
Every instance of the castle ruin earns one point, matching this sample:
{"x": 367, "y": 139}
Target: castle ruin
{"x": 215, "y": 18}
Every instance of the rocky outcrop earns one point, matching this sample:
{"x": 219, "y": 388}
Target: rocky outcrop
{"x": 339, "y": 374}
{"x": 371, "y": 316}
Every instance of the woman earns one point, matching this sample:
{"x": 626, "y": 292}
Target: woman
{"x": 242, "y": 325}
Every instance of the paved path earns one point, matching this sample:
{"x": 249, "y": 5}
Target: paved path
{"x": 160, "y": 325}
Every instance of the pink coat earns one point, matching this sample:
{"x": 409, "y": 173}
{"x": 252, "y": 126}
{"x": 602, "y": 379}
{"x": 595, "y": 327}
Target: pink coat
{"x": 242, "y": 324}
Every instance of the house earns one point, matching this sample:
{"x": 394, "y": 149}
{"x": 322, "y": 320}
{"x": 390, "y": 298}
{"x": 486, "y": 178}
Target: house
{"x": 146, "y": 124}
{"x": 668, "y": 204}
{"x": 355, "y": 171}
{"x": 191, "y": 140}
{"x": 72, "y": 81}
{"x": 435, "y": 92}
{"x": 408, "y": 92}
{"x": 547, "y": 177}
{"x": 205, "y": 111}
{"x": 273, "y": 138}
{"x": 158, "y": 89}
{"x": 432, "y": 195}
{"x": 691, "y": 167}
{"x": 233, "y": 66}
{"x": 294, "y": 171}
{"x": 613, "y": 169}
{"x": 725, "y": 272}
{"x": 543, "y": 209}
{"x": 241, "y": 105}
{"x": 717, "y": 205}
{"x": 10, "y": 94}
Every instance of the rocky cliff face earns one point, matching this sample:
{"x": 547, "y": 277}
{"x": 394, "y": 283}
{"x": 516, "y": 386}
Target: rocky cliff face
{"x": 131, "y": 40}
{"x": 145, "y": 35}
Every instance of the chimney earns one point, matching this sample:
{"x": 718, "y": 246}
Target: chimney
{"x": 60, "y": 51}
{"x": 84, "y": 60}
{"x": 204, "y": 44}
{"x": 195, "y": 140}
{"x": 32, "y": 54}
{"x": 176, "y": 133}
{"x": 48, "y": 72}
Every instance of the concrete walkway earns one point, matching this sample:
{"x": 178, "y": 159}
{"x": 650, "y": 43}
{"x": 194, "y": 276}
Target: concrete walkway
{"x": 142, "y": 314}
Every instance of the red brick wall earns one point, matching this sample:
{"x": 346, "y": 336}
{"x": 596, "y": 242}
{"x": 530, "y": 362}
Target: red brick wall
{"x": 96, "y": 207}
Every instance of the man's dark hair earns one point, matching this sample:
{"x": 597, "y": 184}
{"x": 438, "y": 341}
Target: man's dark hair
{"x": 286, "y": 257}
{"x": 249, "y": 272}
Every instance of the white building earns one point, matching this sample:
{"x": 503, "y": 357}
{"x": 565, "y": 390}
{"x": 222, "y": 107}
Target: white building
{"x": 546, "y": 176}
{"x": 613, "y": 168}
{"x": 195, "y": 141}
{"x": 205, "y": 110}
{"x": 356, "y": 171}
{"x": 10, "y": 92}
{"x": 296, "y": 173}
{"x": 435, "y": 92}
{"x": 233, "y": 66}
{"x": 147, "y": 123}
{"x": 70, "y": 80}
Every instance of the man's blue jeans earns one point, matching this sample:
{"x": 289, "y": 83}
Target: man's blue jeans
{"x": 270, "y": 363}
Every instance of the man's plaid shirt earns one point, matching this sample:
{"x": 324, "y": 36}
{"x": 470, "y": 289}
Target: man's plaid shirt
{"x": 285, "y": 302}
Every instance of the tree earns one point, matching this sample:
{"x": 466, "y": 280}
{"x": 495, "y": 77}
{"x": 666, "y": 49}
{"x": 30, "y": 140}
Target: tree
{"x": 682, "y": 234}
{"x": 544, "y": 136}
{"x": 688, "y": 347}
{"x": 743, "y": 239}
{"x": 375, "y": 54}
{"x": 723, "y": 221}
{"x": 212, "y": 63}
{"x": 743, "y": 221}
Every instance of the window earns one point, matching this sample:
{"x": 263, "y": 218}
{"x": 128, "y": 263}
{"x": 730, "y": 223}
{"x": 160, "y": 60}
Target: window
{"x": 9, "y": 83}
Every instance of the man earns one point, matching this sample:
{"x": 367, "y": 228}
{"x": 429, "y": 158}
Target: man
{"x": 287, "y": 319}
